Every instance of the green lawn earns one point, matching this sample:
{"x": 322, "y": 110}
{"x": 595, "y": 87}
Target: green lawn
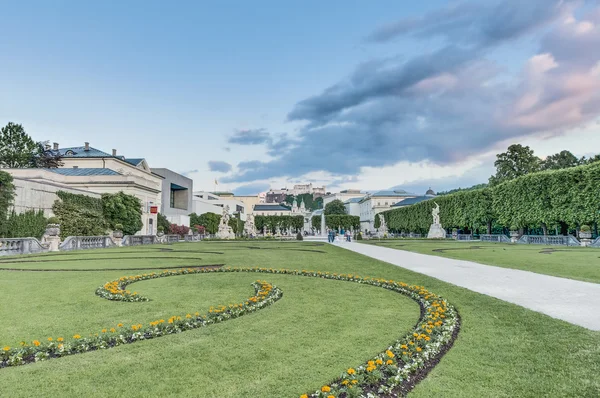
{"x": 316, "y": 331}
{"x": 579, "y": 263}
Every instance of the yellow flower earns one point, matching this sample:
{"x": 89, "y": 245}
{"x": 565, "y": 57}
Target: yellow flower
{"x": 330, "y": 396}
{"x": 391, "y": 354}
{"x": 60, "y": 339}
{"x": 60, "y": 346}
{"x": 419, "y": 349}
{"x": 120, "y": 325}
{"x": 345, "y": 382}
{"x": 7, "y": 348}
{"x": 49, "y": 338}
{"x": 304, "y": 396}
{"x": 77, "y": 336}
{"x": 325, "y": 389}
{"x": 351, "y": 371}
{"x": 112, "y": 330}
{"x": 354, "y": 382}
{"x": 389, "y": 362}
{"x": 379, "y": 362}
{"x": 188, "y": 316}
{"x": 36, "y": 343}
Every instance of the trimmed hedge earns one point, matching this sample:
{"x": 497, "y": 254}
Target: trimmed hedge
{"x": 565, "y": 198}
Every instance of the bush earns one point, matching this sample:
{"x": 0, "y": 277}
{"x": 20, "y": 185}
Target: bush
{"x": 53, "y": 220}
{"x": 77, "y": 218}
{"x": 160, "y": 229}
{"x": 118, "y": 227}
{"x": 162, "y": 221}
{"x": 359, "y": 236}
{"x": 299, "y": 236}
{"x": 585, "y": 228}
{"x": 180, "y": 230}
{"x": 28, "y": 224}
{"x": 126, "y": 210}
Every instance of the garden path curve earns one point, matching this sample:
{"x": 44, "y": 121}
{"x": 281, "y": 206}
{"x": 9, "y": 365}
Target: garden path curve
{"x": 569, "y": 300}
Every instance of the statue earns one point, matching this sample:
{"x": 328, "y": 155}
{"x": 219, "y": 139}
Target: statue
{"x": 435, "y": 230}
{"x": 435, "y": 212}
{"x": 383, "y": 229}
{"x": 249, "y": 227}
{"x": 225, "y": 231}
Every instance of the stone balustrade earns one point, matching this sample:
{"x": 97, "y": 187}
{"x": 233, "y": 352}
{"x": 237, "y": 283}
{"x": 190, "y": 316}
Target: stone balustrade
{"x": 13, "y": 246}
{"x": 138, "y": 240}
{"x": 86, "y": 242}
{"x": 495, "y": 238}
{"x": 553, "y": 240}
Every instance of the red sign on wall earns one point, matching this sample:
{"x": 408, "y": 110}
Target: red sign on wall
{"x": 153, "y": 209}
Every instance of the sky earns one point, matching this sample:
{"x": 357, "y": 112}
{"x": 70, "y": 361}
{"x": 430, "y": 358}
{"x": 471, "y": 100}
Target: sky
{"x": 347, "y": 94}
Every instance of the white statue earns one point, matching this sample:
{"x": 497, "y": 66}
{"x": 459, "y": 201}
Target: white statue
{"x": 383, "y": 229}
{"x": 249, "y": 227}
{"x": 225, "y": 231}
{"x": 435, "y": 212}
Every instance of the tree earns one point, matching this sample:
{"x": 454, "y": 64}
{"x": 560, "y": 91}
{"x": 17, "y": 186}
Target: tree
{"x": 591, "y": 159}
{"x": 17, "y": 148}
{"x": 517, "y": 161}
{"x": 561, "y": 160}
{"x": 121, "y": 208}
{"x": 335, "y": 207}
{"x": 210, "y": 221}
{"x": 7, "y": 195}
{"x": 161, "y": 221}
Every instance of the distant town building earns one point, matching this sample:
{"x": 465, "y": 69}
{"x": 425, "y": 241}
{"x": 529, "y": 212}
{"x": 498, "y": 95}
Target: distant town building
{"x": 271, "y": 209}
{"x": 213, "y": 202}
{"x": 279, "y": 195}
{"x": 343, "y": 195}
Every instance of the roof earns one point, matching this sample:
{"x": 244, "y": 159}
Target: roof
{"x": 134, "y": 161}
{"x": 80, "y": 152}
{"x": 411, "y": 201}
{"x": 270, "y": 207}
{"x": 395, "y": 193}
{"x": 353, "y": 200}
{"x": 82, "y": 171}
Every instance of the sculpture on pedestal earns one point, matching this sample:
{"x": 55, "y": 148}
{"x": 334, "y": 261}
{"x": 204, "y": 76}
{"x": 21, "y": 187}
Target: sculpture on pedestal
{"x": 435, "y": 230}
{"x": 250, "y": 227}
{"x": 383, "y": 229}
{"x": 225, "y": 231}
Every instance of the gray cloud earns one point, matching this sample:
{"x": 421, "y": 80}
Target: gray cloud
{"x": 250, "y": 137}
{"x": 451, "y": 103}
{"x": 219, "y": 166}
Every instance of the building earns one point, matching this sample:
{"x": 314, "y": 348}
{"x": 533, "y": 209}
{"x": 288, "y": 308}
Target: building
{"x": 271, "y": 209}
{"x": 279, "y": 195}
{"x": 214, "y": 202}
{"x": 353, "y": 206}
{"x": 176, "y": 198}
{"x": 250, "y": 201}
{"x": 343, "y": 196}
{"x": 88, "y": 169}
{"x": 302, "y": 211}
{"x": 379, "y": 201}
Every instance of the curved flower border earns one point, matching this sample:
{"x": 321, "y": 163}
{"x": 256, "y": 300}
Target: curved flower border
{"x": 398, "y": 368}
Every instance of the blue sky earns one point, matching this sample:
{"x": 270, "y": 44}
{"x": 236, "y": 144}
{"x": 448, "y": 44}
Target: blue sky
{"x": 175, "y": 82}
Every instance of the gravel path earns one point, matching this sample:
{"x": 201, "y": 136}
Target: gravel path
{"x": 572, "y": 301}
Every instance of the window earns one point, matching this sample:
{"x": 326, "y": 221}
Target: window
{"x": 172, "y": 199}
{"x": 386, "y": 203}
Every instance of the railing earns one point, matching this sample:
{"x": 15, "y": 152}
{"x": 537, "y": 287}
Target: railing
{"x": 553, "y": 240}
{"x": 171, "y": 238}
{"x": 464, "y": 237}
{"x": 192, "y": 238}
{"x": 497, "y": 238}
{"x": 12, "y": 246}
{"x": 86, "y": 242}
{"x": 137, "y": 240}
{"x": 596, "y": 243}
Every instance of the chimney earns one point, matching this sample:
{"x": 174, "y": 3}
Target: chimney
{"x": 56, "y": 146}
{"x": 114, "y": 152}
{"x": 47, "y": 147}
{"x": 87, "y": 146}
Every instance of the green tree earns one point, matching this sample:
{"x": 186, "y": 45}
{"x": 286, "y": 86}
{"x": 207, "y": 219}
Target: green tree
{"x": 517, "y": 161}
{"x": 7, "y": 195}
{"x": 561, "y": 160}
{"x": 210, "y": 221}
{"x": 121, "y": 208}
{"x": 335, "y": 207}
{"x": 161, "y": 221}
{"x": 17, "y": 148}
{"x": 30, "y": 223}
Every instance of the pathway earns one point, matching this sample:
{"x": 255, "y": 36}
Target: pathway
{"x": 572, "y": 301}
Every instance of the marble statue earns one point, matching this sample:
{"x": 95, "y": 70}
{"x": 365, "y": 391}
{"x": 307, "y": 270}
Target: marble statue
{"x": 436, "y": 231}
{"x": 435, "y": 212}
{"x": 225, "y": 231}
{"x": 249, "y": 226}
{"x": 383, "y": 229}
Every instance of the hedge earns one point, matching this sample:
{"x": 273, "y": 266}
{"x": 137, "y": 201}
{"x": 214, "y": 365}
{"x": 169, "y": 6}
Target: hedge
{"x": 335, "y": 221}
{"x": 566, "y": 198}
{"x": 294, "y": 223}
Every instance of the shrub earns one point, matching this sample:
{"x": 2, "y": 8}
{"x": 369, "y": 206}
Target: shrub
{"x": 299, "y": 236}
{"x": 53, "y": 220}
{"x": 160, "y": 229}
{"x": 585, "y": 228}
{"x": 162, "y": 221}
{"x": 30, "y": 223}
{"x": 180, "y": 230}
{"x": 77, "y": 218}
{"x": 118, "y": 227}
{"x": 124, "y": 209}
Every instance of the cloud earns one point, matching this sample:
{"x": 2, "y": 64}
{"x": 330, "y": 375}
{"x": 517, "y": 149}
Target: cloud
{"x": 188, "y": 172}
{"x": 219, "y": 166}
{"x": 451, "y": 103}
{"x": 251, "y": 189}
{"x": 250, "y": 137}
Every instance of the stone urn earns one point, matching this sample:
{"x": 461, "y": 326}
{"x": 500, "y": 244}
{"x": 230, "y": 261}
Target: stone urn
{"x": 53, "y": 229}
{"x": 117, "y": 234}
{"x": 585, "y": 235}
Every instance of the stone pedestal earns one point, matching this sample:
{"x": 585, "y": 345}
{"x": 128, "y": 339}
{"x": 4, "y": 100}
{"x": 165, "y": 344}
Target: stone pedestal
{"x": 225, "y": 233}
{"x": 53, "y": 243}
{"x": 118, "y": 241}
{"x": 436, "y": 232}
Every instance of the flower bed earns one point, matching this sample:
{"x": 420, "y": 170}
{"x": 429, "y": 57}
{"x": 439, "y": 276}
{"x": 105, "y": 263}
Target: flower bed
{"x": 395, "y": 370}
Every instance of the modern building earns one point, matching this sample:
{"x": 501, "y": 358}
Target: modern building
{"x": 377, "y": 202}
{"x": 214, "y": 202}
{"x": 88, "y": 169}
{"x": 271, "y": 209}
{"x": 343, "y": 196}
{"x": 176, "y": 199}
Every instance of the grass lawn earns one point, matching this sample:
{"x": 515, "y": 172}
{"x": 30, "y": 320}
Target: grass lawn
{"x": 579, "y": 263}
{"x": 316, "y": 331}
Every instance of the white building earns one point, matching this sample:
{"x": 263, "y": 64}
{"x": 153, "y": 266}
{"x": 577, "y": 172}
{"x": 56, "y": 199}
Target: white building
{"x": 213, "y": 202}
{"x": 353, "y": 206}
{"x": 376, "y": 203}
{"x": 271, "y": 209}
{"x": 176, "y": 201}
{"x": 343, "y": 196}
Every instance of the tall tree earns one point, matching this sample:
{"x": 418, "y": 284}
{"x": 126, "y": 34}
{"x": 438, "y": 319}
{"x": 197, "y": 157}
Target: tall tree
{"x": 121, "y": 208}
{"x": 517, "y": 161}
{"x": 335, "y": 207}
{"x": 210, "y": 221}
{"x": 561, "y": 160}
{"x": 17, "y": 148}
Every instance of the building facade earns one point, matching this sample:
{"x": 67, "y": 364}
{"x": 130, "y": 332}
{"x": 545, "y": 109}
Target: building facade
{"x": 271, "y": 209}
{"x": 176, "y": 197}
{"x": 209, "y": 202}
{"x": 343, "y": 196}
{"x": 376, "y": 203}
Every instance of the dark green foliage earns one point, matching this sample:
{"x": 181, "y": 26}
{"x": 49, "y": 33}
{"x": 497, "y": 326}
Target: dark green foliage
{"x": 335, "y": 207}
{"x": 309, "y": 202}
{"x": 210, "y": 221}
{"x": 53, "y": 220}
{"x": 299, "y": 236}
{"x": 377, "y": 222}
{"x": 293, "y": 223}
{"x": 17, "y": 148}
{"x": 344, "y": 221}
{"x": 478, "y": 186}
{"x": 561, "y": 160}
{"x": 316, "y": 222}
{"x": 517, "y": 161}
{"x": 7, "y": 195}
{"x": 121, "y": 208}
{"x": 236, "y": 225}
{"x": 557, "y": 198}
{"x": 46, "y": 158}
{"x": 77, "y": 219}
{"x": 88, "y": 202}
{"x": 28, "y": 224}
{"x": 161, "y": 221}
